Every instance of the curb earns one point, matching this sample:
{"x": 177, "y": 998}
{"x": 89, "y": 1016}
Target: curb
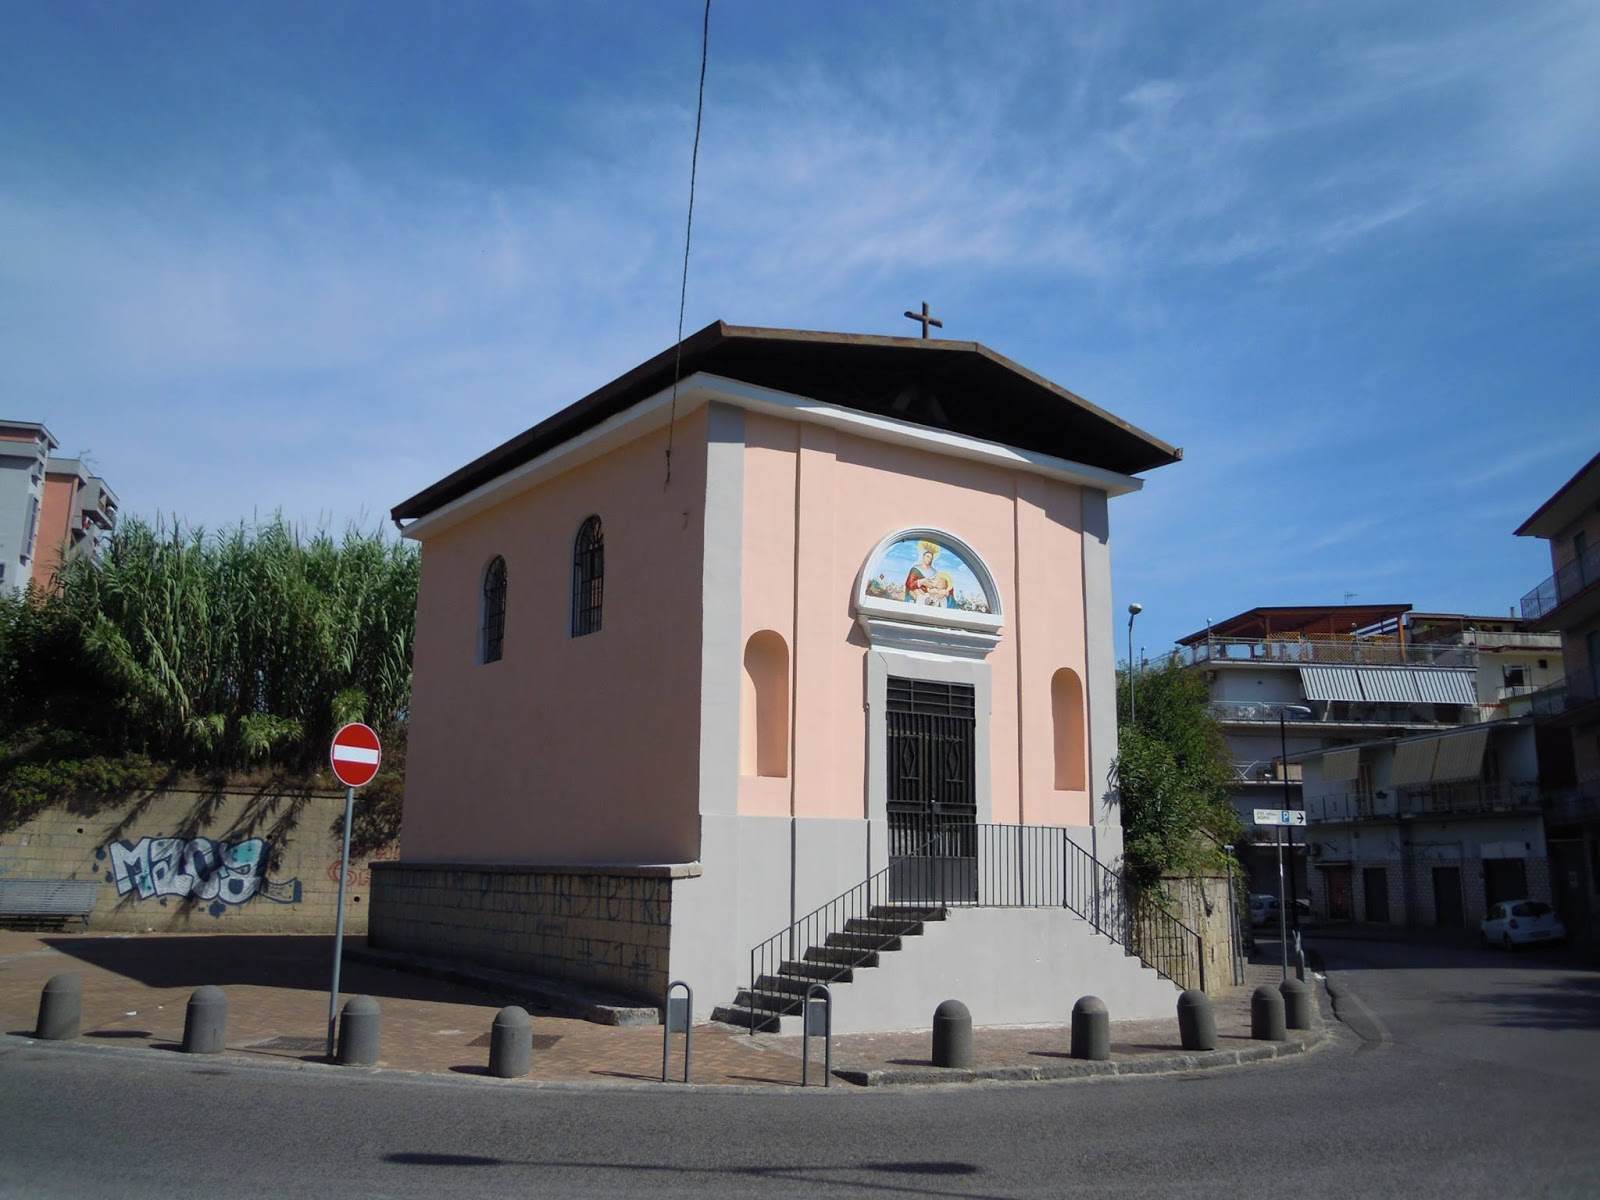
{"x": 1155, "y": 1064}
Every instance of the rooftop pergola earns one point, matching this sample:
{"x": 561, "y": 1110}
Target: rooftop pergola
{"x": 1311, "y": 622}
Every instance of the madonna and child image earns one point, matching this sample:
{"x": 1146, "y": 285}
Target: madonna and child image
{"x": 917, "y": 571}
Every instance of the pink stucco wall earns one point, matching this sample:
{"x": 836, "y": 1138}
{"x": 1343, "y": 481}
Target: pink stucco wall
{"x": 568, "y": 750}
{"x": 815, "y": 503}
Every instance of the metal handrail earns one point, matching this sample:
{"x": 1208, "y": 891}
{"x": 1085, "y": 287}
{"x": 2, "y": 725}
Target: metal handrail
{"x": 954, "y": 864}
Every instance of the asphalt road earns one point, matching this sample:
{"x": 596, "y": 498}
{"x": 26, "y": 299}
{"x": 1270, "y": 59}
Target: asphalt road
{"x": 1460, "y": 1074}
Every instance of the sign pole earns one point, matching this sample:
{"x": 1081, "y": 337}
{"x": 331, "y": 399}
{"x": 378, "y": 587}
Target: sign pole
{"x": 1283, "y": 917}
{"x": 355, "y": 756}
{"x": 338, "y": 933}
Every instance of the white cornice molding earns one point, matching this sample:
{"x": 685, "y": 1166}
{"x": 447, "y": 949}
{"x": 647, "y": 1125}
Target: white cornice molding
{"x": 702, "y": 388}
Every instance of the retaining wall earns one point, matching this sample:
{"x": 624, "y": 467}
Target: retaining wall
{"x": 201, "y": 860}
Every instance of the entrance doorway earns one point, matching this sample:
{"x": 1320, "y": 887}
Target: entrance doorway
{"x": 1375, "y": 891}
{"x": 932, "y": 805}
{"x": 1338, "y": 881}
{"x": 1447, "y": 912}
{"x": 1504, "y": 879}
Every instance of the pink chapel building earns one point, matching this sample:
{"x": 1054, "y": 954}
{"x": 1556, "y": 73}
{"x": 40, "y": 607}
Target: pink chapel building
{"x": 800, "y": 670}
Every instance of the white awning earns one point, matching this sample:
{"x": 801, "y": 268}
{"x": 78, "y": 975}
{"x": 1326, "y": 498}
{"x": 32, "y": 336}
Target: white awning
{"x": 1389, "y": 685}
{"x": 1413, "y": 762}
{"x": 1340, "y": 764}
{"x": 1330, "y": 683}
{"x": 1460, "y": 755}
{"x": 1446, "y": 687}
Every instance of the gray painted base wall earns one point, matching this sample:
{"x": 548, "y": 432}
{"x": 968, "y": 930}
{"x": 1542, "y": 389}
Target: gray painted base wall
{"x": 758, "y": 875}
{"x": 1008, "y": 966}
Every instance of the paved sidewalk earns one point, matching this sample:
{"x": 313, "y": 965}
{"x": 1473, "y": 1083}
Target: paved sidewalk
{"x": 136, "y": 989}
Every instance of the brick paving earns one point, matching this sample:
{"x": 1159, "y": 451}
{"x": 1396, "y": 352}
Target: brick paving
{"x": 136, "y": 989}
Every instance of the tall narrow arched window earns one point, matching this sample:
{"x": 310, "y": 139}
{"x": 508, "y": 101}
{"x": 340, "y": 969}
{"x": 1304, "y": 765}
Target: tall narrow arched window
{"x": 588, "y": 577}
{"x": 492, "y": 623}
{"x": 1066, "y": 711}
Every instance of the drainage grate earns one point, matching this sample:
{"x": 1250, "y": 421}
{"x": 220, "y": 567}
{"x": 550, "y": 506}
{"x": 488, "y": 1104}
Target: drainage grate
{"x": 291, "y": 1043}
{"x": 541, "y": 1041}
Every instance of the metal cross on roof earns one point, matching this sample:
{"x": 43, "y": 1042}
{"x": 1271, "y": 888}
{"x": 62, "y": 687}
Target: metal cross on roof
{"x": 925, "y": 319}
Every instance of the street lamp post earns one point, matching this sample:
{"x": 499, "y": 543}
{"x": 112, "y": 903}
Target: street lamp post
{"x": 1301, "y": 712}
{"x": 1133, "y": 611}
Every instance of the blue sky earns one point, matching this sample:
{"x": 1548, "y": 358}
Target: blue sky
{"x": 313, "y": 256}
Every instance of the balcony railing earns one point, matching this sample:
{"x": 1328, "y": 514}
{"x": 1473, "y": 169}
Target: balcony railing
{"x": 1348, "y": 712}
{"x": 1263, "y": 770}
{"x": 1576, "y": 690}
{"x": 1566, "y": 583}
{"x": 1332, "y": 652}
{"x": 1440, "y": 799}
{"x": 1579, "y": 802}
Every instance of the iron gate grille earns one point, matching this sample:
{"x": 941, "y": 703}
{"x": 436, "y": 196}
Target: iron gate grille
{"x": 932, "y": 802}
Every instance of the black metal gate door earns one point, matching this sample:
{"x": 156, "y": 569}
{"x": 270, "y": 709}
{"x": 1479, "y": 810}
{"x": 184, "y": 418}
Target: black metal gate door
{"x": 932, "y": 805}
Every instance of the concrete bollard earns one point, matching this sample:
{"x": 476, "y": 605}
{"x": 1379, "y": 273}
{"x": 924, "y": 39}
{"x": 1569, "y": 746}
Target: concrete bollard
{"x": 511, "y": 1043}
{"x": 1091, "y": 1029}
{"x": 1266, "y": 1014}
{"x": 205, "y": 1022}
{"x": 360, "y": 1030}
{"x": 1296, "y": 1003}
{"x": 952, "y": 1035}
{"x": 60, "y": 1009}
{"x": 1197, "y": 1024}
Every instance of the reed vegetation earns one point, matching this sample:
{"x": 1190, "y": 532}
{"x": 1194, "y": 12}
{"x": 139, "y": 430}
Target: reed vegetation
{"x": 204, "y": 653}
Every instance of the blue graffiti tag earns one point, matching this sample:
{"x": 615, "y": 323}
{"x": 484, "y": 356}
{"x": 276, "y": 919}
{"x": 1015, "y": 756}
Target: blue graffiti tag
{"x": 197, "y": 869}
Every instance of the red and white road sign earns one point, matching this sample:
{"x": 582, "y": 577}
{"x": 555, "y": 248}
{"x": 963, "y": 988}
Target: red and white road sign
{"x": 356, "y": 754}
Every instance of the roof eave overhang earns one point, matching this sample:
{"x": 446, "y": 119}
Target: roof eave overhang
{"x": 1567, "y": 505}
{"x": 1137, "y": 449}
{"x": 701, "y": 388}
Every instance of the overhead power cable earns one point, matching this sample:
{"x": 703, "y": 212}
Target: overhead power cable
{"x": 688, "y": 231}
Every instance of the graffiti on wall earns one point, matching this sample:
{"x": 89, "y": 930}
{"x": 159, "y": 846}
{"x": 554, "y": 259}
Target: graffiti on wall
{"x": 361, "y": 877}
{"x": 223, "y": 873}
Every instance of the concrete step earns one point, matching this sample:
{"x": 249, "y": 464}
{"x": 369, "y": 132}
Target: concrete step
{"x": 865, "y": 941}
{"x": 818, "y": 972}
{"x": 912, "y": 912}
{"x": 844, "y": 956}
{"x": 796, "y": 985}
{"x": 737, "y": 1015}
{"x": 885, "y": 926}
{"x": 776, "y": 1003}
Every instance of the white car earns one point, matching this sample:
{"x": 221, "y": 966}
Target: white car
{"x": 1264, "y": 910}
{"x": 1513, "y": 923}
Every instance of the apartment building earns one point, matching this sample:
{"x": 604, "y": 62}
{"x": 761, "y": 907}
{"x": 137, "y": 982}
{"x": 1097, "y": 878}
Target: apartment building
{"x": 1567, "y": 606}
{"x": 77, "y": 510}
{"x": 1291, "y": 684}
{"x": 1427, "y": 830}
{"x": 25, "y": 448}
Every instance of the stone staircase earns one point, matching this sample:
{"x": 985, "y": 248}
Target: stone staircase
{"x": 860, "y": 945}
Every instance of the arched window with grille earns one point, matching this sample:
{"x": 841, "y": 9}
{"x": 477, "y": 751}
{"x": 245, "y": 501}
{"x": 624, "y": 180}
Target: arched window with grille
{"x": 588, "y": 577}
{"x": 492, "y": 625}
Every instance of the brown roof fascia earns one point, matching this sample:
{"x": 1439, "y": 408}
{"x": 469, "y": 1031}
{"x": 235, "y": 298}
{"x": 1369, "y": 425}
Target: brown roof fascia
{"x": 657, "y": 372}
{"x": 1534, "y": 526}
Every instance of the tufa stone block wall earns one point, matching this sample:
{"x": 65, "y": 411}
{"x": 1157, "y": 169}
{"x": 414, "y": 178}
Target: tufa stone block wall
{"x": 201, "y": 860}
{"x": 605, "y": 926}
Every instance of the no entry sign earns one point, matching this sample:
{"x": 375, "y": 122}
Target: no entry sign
{"x": 356, "y": 754}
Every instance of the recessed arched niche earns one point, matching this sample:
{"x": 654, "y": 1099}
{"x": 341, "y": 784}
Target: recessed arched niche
{"x": 926, "y": 589}
{"x": 764, "y": 708}
{"x": 1066, "y": 714}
